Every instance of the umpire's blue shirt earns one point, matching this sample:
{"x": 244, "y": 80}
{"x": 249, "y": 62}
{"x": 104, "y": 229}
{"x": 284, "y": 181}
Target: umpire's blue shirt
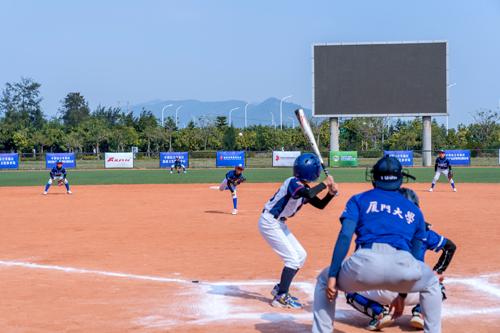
{"x": 385, "y": 217}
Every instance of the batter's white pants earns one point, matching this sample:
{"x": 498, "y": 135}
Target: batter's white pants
{"x": 282, "y": 241}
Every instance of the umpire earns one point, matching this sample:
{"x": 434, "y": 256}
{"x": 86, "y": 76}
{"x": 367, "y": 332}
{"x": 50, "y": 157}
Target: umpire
{"x": 390, "y": 230}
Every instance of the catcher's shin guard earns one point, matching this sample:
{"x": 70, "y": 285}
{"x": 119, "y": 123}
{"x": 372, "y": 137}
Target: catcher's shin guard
{"x": 364, "y": 305}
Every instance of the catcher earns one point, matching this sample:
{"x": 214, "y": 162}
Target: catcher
{"x": 442, "y": 166}
{"x": 58, "y": 173}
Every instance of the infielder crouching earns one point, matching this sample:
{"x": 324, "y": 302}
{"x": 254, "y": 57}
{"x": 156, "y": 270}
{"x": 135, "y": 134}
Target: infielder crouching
{"x": 390, "y": 231}
{"x": 442, "y": 166}
{"x": 177, "y": 166}
{"x": 285, "y": 203}
{"x": 58, "y": 173}
{"x": 374, "y": 303}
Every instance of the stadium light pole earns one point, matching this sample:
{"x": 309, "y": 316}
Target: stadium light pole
{"x": 447, "y": 116}
{"x": 163, "y": 110}
{"x": 281, "y": 109}
{"x": 246, "y": 107}
{"x": 230, "y": 112}
{"x": 293, "y": 121}
{"x": 272, "y": 120}
{"x": 176, "y": 112}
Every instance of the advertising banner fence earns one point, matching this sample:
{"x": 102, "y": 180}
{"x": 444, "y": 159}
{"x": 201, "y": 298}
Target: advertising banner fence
{"x": 9, "y": 161}
{"x": 405, "y": 157}
{"x": 284, "y": 158}
{"x": 68, "y": 159}
{"x": 230, "y": 158}
{"x": 167, "y": 159}
{"x": 119, "y": 160}
{"x": 343, "y": 158}
{"x": 458, "y": 157}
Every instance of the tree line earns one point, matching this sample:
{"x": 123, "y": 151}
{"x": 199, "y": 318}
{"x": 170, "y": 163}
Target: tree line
{"x": 76, "y": 128}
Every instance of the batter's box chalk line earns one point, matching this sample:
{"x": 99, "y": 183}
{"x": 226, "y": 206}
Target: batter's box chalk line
{"x": 216, "y": 302}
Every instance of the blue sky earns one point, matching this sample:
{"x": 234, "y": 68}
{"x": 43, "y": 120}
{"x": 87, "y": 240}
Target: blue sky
{"x": 138, "y": 51}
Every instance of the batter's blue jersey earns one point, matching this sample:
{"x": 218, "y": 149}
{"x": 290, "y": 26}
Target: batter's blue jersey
{"x": 55, "y": 172}
{"x": 233, "y": 178}
{"x": 442, "y": 163}
{"x": 385, "y": 217}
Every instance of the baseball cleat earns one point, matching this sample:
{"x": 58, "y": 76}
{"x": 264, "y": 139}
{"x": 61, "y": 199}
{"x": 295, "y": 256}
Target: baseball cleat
{"x": 382, "y": 320}
{"x": 235, "y": 211}
{"x": 69, "y": 192}
{"x": 417, "y": 321}
{"x": 454, "y": 190}
{"x": 276, "y": 289}
{"x": 430, "y": 190}
{"x": 285, "y": 301}
{"x": 45, "y": 192}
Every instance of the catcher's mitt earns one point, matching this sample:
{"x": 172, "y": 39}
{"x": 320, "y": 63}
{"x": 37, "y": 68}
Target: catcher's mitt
{"x": 450, "y": 175}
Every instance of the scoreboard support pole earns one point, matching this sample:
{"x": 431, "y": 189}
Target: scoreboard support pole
{"x": 426, "y": 141}
{"x": 334, "y": 134}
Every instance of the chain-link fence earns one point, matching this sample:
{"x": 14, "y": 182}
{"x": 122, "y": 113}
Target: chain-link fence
{"x": 254, "y": 159}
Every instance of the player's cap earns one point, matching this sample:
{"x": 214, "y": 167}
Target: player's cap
{"x": 387, "y": 174}
{"x": 441, "y": 151}
{"x": 307, "y": 167}
{"x": 59, "y": 162}
{"x": 240, "y": 166}
{"x": 410, "y": 195}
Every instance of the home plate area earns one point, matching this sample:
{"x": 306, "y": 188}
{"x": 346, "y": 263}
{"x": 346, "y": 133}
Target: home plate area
{"x": 246, "y": 303}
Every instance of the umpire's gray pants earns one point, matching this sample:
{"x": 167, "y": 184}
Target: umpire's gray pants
{"x": 381, "y": 267}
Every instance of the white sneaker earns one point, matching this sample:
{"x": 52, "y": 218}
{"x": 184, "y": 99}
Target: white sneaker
{"x": 69, "y": 192}
{"x": 235, "y": 211}
{"x": 45, "y": 192}
{"x": 431, "y": 189}
{"x": 455, "y": 189}
{"x": 417, "y": 321}
{"x": 171, "y": 172}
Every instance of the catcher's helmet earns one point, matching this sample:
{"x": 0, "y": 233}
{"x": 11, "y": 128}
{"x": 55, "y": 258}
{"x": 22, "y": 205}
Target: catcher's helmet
{"x": 410, "y": 195}
{"x": 307, "y": 167}
{"x": 387, "y": 174}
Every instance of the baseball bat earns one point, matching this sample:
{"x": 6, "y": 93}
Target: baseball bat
{"x": 306, "y": 129}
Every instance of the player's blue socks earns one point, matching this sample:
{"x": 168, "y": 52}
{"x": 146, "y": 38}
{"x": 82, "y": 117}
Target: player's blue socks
{"x": 235, "y": 203}
{"x": 433, "y": 184}
{"x": 47, "y": 186}
{"x": 67, "y": 186}
{"x": 364, "y": 305}
{"x": 452, "y": 184}
{"x": 287, "y": 276}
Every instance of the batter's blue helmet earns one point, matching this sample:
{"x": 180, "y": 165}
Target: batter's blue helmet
{"x": 387, "y": 174}
{"x": 307, "y": 167}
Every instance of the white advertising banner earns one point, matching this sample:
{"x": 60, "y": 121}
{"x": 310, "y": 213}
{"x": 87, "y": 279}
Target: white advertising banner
{"x": 119, "y": 160}
{"x": 284, "y": 158}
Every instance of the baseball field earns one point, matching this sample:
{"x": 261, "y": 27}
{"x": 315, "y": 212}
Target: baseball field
{"x": 147, "y": 251}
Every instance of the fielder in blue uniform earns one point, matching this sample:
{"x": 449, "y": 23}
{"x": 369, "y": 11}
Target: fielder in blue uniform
{"x": 58, "y": 173}
{"x": 442, "y": 166}
{"x": 231, "y": 181}
{"x": 177, "y": 166}
{"x": 390, "y": 232}
{"x": 286, "y": 202}
{"x": 374, "y": 303}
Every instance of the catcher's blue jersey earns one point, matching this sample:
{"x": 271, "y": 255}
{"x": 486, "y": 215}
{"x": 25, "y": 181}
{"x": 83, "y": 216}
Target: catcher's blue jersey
{"x": 55, "y": 172}
{"x": 385, "y": 217}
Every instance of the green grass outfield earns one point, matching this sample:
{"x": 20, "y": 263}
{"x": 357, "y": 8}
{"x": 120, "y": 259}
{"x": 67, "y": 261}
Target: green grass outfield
{"x": 342, "y": 175}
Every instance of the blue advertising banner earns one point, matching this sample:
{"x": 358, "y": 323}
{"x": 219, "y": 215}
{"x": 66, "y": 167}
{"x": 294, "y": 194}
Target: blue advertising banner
{"x": 68, "y": 159}
{"x": 458, "y": 157}
{"x": 9, "y": 161}
{"x": 168, "y": 159}
{"x": 405, "y": 157}
{"x": 230, "y": 158}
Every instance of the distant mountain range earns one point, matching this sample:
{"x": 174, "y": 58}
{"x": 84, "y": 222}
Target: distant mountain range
{"x": 257, "y": 113}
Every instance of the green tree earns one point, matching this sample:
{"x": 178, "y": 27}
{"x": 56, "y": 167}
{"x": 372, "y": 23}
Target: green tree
{"x": 221, "y": 122}
{"x": 20, "y": 103}
{"x": 229, "y": 140}
{"x": 95, "y": 132}
{"x": 74, "y": 109}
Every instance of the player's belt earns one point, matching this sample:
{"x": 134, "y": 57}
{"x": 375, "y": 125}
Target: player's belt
{"x": 282, "y": 219}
